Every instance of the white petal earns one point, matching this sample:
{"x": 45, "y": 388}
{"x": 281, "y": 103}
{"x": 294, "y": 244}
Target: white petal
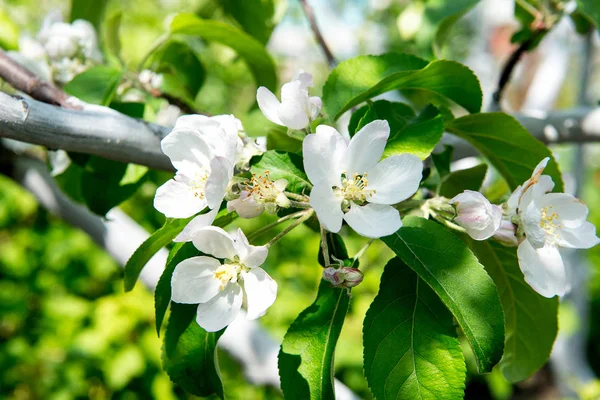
{"x": 314, "y": 107}
{"x": 539, "y": 169}
{"x": 187, "y": 150}
{"x": 261, "y": 292}
{"x": 221, "y": 171}
{"x": 323, "y": 152}
{"x": 543, "y": 269}
{"x": 176, "y": 200}
{"x": 530, "y": 219}
{"x": 328, "y": 206}
{"x": 199, "y": 222}
{"x": 250, "y": 256}
{"x": 570, "y": 210}
{"x": 224, "y": 139}
{"x": 366, "y": 148}
{"x": 221, "y": 310}
{"x": 534, "y": 191}
{"x": 395, "y": 179}
{"x": 245, "y": 206}
{"x": 306, "y": 79}
{"x": 476, "y": 214}
{"x": 582, "y": 237}
{"x": 292, "y": 114}
{"x": 373, "y": 220}
{"x": 193, "y": 280}
{"x": 268, "y": 104}
{"x": 294, "y": 91}
{"x": 214, "y": 241}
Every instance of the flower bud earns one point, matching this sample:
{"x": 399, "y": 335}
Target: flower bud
{"x": 343, "y": 277}
{"x": 507, "y": 233}
{"x": 476, "y": 214}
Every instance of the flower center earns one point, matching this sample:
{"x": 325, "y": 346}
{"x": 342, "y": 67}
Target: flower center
{"x": 228, "y": 272}
{"x": 198, "y": 184}
{"x": 548, "y": 221}
{"x": 355, "y": 190}
{"x": 262, "y": 188}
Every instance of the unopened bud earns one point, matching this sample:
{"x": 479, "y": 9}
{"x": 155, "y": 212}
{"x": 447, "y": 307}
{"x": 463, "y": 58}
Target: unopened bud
{"x": 343, "y": 277}
{"x": 476, "y": 214}
{"x": 507, "y": 234}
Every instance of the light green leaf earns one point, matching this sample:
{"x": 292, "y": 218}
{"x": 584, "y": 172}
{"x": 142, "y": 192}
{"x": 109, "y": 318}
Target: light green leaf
{"x": 509, "y": 147}
{"x": 258, "y": 59}
{"x": 306, "y": 355}
{"x": 465, "y": 179}
{"x": 449, "y": 12}
{"x": 92, "y": 11}
{"x": 362, "y": 78}
{"x": 396, "y": 114}
{"x": 419, "y": 136}
{"x": 411, "y": 349}
{"x": 447, "y": 265}
{"x": 9, "y": 32}
{"x": 282, "y": 165}
{"x": 530, "y": 319}
{"x": 111, "y": 34}
{"x": 591, "y": 9}
{"x": 150, "y": 247}
{"x": 189, "y": 353}
{"x": 96, "y": 85}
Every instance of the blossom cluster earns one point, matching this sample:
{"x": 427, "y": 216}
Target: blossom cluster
{"x": 350, "y": 181}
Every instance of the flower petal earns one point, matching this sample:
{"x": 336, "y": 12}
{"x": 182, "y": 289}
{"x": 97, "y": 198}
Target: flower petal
{"x": 268, "y": 104}
{"x": 214, "y": 241}
{"x": 187, "y": 150}
{"x": 395, "y": 179}
{"x": 328, "y": 206}
{"x": 582, "y": 237}
{"x": 193, "y": 280}
{"x": 221, "y": 171}
{"x": 261, "y": 292}
{"x": 176, "y": 200}
{"x": 221, "y": 310}
{"x": 323, "y": 152}
{"x": 292, "y": 114}
{"x": 250, "y": 256}
{"x": 199, "y": 222}
{"x": 245, "y": 206}
{"x": 373, "y": 220}
{"x": 543, "y": 269}
{"x": 366, "y": 148}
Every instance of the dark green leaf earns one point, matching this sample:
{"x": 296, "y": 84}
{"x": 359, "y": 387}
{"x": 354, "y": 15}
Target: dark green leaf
{"x": 443, "y": 160}
{"x": 411, "y": 349}
{"x": 282, "y": 165}
{"x": 590, "y": 9}
{"x": 92, "y": 11}
{"x": 530, "y": 319}
{"x": 396, "y": 114}
{"x": 189, "y": 353}
{"x": 306, "y": 355}
{"x": 257, "y": 17}
{"x": 96, "y": 85}
{"x": 258, "y": 59}
{"x": 449, "y": 12}
{"x": 465, "y": 179}
{"x": 132, "y": 109}
{"x": 583, "y": 25}
{"x": 419, "y": 136}
{"x": 509, "y": 147}
{"x": 447, "y": 265}
{"x": 362, "y": 78}
{"x": 149, "y": 248}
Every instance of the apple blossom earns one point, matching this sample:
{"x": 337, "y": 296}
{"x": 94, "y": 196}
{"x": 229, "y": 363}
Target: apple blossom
{"x": 260, "y": 194}
{"x": 507, "y": 233}
{"x": 352, "y": 184}
{"x": 343, "y": 277}
{"x": 296, "y": 109}
{"x": 203, "y": 151}
{"x": 220, "y": 288}
{"x": 547, "y": 222}
{"x": 475, "y": 213}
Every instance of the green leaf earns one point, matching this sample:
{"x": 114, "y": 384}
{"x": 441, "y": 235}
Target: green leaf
{"x": 465, "y": 179}
{"x": 149, "y": 248}
{"x": 130, "y": 108}
{"x": 112, "y": 40}
{"x": 591, "y": 9}
{"x": 96, "y": 85}
{"x": 282, "y": 165}
{"x": 443, "y": 160}
{"x": 419, "y": 136}
{"x": 530, "y": 319}
{"x": 162, "y": 293}
{"x": 257, "y": 17}
{"x": 447, "y": 14}
{"x": 396, "y": 114}
{"x": 306, "y": 355}
{"x": 92, "y": 11}
{"x": 251, "y": 50}
{"x": 189, "y": 353}
{"x": 447, "y": 265}
{"x": 362, "y": 78}
{"x": 509, "y": 147}
{"x": 336, "y": 247}
{"x": 9, "y": 32}
{"x": 411, "y": 349}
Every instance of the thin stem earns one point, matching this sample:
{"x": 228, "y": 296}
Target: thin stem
{"x": 529, "y": 8}
{"x": 324, "y": 246}
{"x": 290, "y": 227}
{"x": 310, "y": 15}
{"x": 508, "y": 70}
{"x": 361, "y": 252}
{"x": 297, "y": 197}
{"x": 299, "y": 204}
{"x": 273, "y": 224}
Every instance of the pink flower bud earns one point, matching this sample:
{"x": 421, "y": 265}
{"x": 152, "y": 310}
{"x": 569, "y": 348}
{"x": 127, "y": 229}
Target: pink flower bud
{"x": 343, "y": 277}
{"x": 476, "y": 214}
{"x": 507, "y": 234}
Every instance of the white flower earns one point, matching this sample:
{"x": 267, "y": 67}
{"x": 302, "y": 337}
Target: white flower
{"x": 203, "y": 151}
{"x": 507, "y": 233}
{"x": 351, "y": 184}
{"x": 476, "y": 214}
{"x": 260, "y": 194}
{"x": 296, "y": 109}
{"x": 222, "y": 288}
{"x": 547, "y": 222}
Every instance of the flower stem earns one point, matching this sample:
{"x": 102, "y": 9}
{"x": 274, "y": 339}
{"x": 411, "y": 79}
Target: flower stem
{"x": 273, "y": 224}
{"x": 307, "y": 214}
{"x": 361, "y": 252}
{"x": 324, "y": 247}
{"x": 299, "y": 204}
{"x": 297, "y": 197}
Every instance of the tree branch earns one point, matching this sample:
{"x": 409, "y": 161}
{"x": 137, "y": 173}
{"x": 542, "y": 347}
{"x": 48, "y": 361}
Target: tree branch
{"x": 22, "y": 79}
{"x": 310, "y": 15}
{"x": 508, "y": 70}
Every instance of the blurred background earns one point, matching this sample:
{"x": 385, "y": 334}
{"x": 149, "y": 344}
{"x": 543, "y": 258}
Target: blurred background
{"x": 67, "y": 329}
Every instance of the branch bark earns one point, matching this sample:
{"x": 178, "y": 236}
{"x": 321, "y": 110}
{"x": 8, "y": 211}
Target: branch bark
{"x": 310, "y": 15}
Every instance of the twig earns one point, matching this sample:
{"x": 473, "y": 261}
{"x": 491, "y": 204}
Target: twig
{"x": 508, "y": 70}
{"x": 24, "y": 80}
{"x": 290, "y": 227}
{"x": 267, "y": 227}
{"x": 324, "y": 247}
{"x": 315, "y": 28}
